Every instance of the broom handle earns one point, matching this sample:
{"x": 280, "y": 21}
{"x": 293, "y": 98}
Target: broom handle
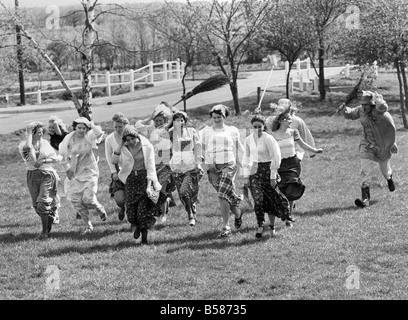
{"x": 266, "y": 85}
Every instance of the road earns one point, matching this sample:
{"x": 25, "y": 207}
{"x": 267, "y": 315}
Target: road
{"x": 143, "y": 108}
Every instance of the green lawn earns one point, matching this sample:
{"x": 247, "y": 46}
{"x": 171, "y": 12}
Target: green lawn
{"x": 309, "y": 261}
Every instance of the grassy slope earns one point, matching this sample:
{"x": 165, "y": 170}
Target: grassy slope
{"x": 306, "y": 262}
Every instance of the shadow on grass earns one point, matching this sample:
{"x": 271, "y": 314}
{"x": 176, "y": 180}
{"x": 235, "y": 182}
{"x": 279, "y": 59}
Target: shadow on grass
{"x": 327, "y": 211}
{"x": 60, "y": 235}
{"x": 192, "y": 242}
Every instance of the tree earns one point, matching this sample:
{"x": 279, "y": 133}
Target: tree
{"x": 323, "y": 13}
{"x": 230, "y": 26}
{"x": 383, "y": 38}
{"x": 181, "y": 24}
{"x": 287, "y": 33}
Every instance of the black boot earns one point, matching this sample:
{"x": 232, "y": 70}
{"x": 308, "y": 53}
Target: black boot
{"x": 391, "y": 185}
{"x": 365, "y": 195}
{"x": 144, "y": 236}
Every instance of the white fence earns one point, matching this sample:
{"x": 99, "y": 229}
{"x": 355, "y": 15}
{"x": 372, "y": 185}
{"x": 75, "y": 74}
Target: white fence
{"x": 152, "y": 73}
{"x": 304, "y": 78}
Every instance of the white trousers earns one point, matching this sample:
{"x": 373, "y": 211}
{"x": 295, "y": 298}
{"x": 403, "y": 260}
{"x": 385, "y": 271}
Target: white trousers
{"x": 368, "y": 167}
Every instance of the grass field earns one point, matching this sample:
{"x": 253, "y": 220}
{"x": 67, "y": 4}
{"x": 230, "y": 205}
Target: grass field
{"x": 310, "y": 261}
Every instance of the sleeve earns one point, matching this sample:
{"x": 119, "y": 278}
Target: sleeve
{"x": 197, "y": 147}
{"x": 275, "y": 153}
{"x": 96, "y": 133}
{"x": 296, "y": 135}
{"x": 151, "y": 167}
{"x": 25, "y": 151}
{"x": 108, "y": 153}
{"x": 382, "y": 108}
{"x": 239, "y": 148}
{"x": 305, "y": 133}
{"x": 351, "y": 113}
{"x": 246, "y": 161}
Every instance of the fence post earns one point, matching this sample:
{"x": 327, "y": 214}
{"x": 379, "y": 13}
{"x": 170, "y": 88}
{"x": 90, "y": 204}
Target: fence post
{"x": 7, "y": 99}
{"x": 96, "y": 78}
{"x": 170, "y": 68}
{"x": 39, "y": 96}
{"x": 308, "y": 68}
{"x": 164, "y": 70}
{"x": 132, "y": 80}
{"x": 347, "y": 71}
{"x": 298, "y": 67}
{"x": 375, "y": 68}
{"x": 108, "y": 84}
{"x": 291, "y": 85}
{"x": 151, "y": 71}
{"x": 81, "y": 77}
{"x": 301, "y": 83}
{"x": 316, "y": 84}
{"x": 178, "y": 69}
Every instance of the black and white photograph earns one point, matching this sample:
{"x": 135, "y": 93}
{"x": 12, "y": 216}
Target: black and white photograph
{"x": 203, "y": 156}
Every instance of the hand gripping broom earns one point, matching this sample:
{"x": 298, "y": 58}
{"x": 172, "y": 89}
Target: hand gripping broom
{"x": 209, "y": 84}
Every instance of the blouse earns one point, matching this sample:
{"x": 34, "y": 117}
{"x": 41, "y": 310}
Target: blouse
{"x": 286, "y": 142}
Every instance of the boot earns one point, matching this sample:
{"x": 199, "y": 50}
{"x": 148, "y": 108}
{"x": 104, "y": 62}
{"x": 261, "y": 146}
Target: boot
{"x": 391, "y": 185}
{"x": 144, "y": 236}
{"x": 365, "y": 195}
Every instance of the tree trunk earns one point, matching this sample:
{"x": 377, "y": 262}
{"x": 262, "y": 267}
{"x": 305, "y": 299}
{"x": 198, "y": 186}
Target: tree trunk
{"x": 287, "y": 80}
{"x": 49, "y": 61}
{"x": 404, "y": 106}
{"x": 322, "y": 88}
{"x": 86, "y": 59}
{"x": 234, "y": 91}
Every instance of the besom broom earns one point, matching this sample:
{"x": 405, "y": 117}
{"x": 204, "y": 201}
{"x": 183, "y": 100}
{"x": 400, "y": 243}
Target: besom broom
{"x": 209, "y": 84}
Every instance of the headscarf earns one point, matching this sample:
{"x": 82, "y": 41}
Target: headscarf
{"x": 58, "y": 121}
{"x": 35, "y": 125}
{"x": 221, "y": 110}
{"x": 82, "y": 120}
{"x": 130, "y": 131}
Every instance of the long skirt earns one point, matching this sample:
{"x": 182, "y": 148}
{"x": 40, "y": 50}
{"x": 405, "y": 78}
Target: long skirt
{"x": 290, "y": 184}
{"x": 188, "y": 185}
{"x": 140, "y": 210}
{"x": 222, "y": 178}
{"x": 266, "y": 198}
{"x": 165, "y": 177}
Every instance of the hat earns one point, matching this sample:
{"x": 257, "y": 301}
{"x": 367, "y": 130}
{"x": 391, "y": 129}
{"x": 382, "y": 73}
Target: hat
{"x": 129, "y": 131}
{"x": 367, "y": 99}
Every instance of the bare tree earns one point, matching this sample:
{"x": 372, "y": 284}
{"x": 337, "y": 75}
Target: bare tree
{"x": 181, "y": 24}
{"x": 230, "y": 27}
{"x": 323, "y": 14}
{"x": 289, "y": 34}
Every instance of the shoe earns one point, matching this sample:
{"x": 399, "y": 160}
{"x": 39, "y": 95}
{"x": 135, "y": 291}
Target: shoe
{"x": 290, "y": 218}
{"x": 259, "y": 232}
{"x": 391, "y": 185}
{"x": 226, "y": 232}
{"x": 50, "y": 222}
{"x": 136, "y": 233}
{"x": 192, "y": 222}
{"x": 56, "y": 218}
{"x": 163, "y": 217}
{"x": 172, "y": 203}
{"x": 121, "y": 214}
{"x": 87, "y": 231}
{"x": 78, "y": 216}
{"x": 273, "y": 232}
{"x": 144, "y": 236}
{"x": 288, "y": 224}
{"x": 103, "y": 215}
{"x": 238, "y": 222}
{"x": 43, "y": 237}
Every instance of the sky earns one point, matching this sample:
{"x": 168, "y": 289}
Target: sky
{"x": 45, "y": 3}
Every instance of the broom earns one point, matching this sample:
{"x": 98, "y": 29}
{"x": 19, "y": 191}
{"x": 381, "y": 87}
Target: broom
{"x": 352, "y": 94}
{"x": 209, "y": 84}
